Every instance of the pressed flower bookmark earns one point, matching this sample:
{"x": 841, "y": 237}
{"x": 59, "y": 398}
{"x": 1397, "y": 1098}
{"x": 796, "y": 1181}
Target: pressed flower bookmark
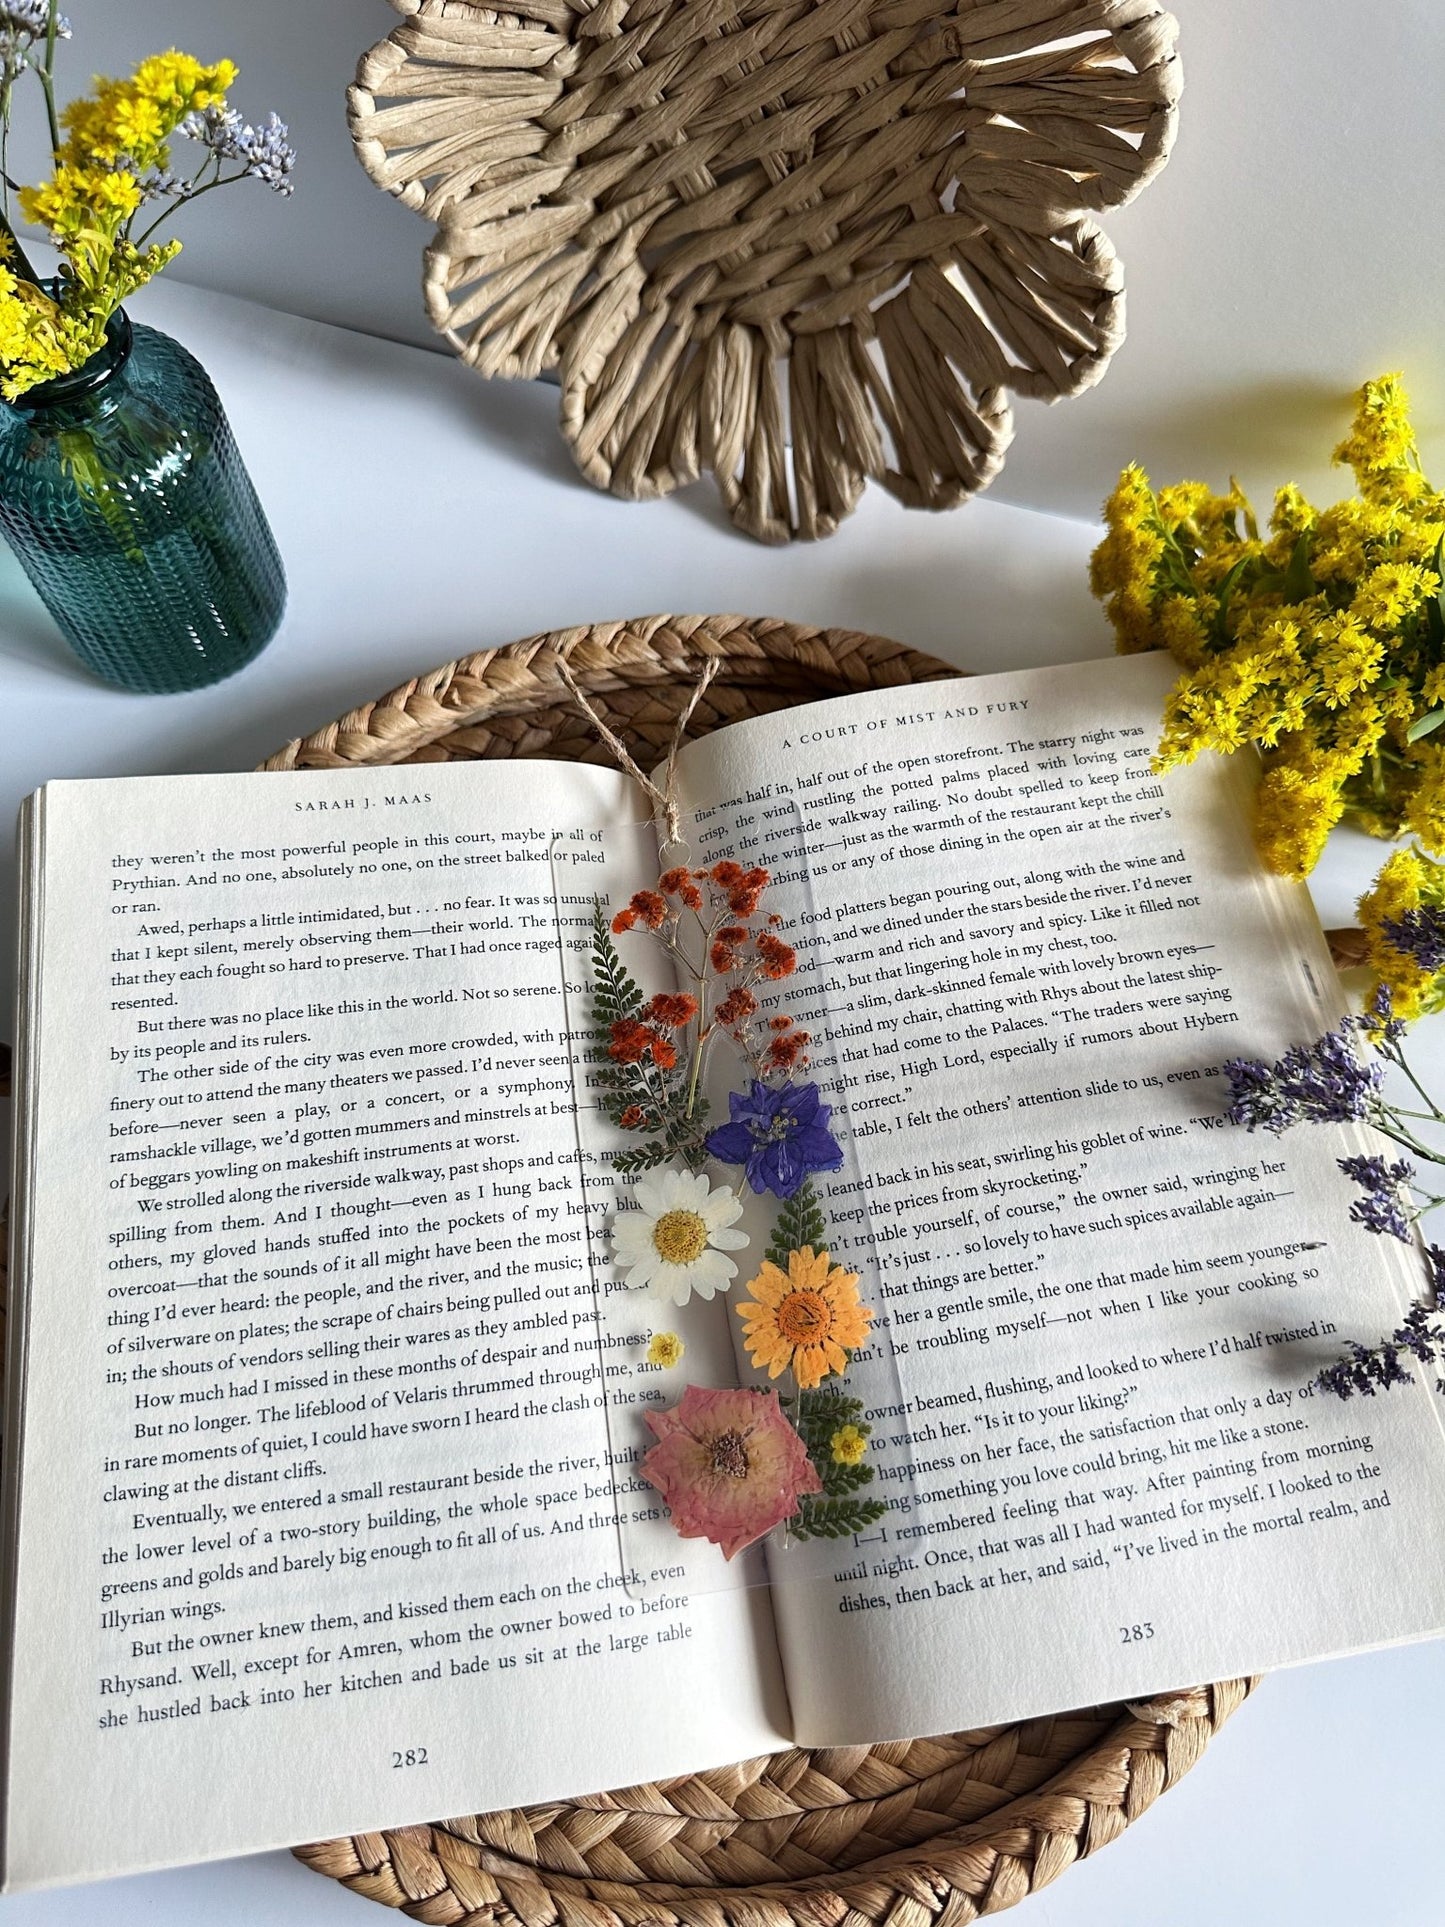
{"x": 731, "y": 1463}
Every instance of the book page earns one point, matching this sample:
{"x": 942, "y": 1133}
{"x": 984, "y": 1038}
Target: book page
{"x": 1110, "y": 1469}
{"x": 315, "y": 1522}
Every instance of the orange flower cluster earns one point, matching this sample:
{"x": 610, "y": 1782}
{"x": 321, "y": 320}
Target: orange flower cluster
{"x": 778, "y": 959}
{"x": 735, "y": 889}
{"x": 669, "y": 1011}
{"x": 727, "y": 947}
{"x": 680, "y": 883}
{"x": 736, "y": 1008}
{"x": 742, "y": 888}
{"x": 735, "y": 947}
{"x": 724, "y": 898}
{"x": 647, "y": 907}
{"x": 788, "y": 1047}
{"x": 632, "y": 1040}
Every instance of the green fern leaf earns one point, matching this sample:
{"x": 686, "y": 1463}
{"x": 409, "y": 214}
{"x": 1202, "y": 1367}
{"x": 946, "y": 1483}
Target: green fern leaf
{"x": 615, "y": 995}
{"x": 644, "y": 1158}
{"x": 841, "y": 1479}
{"x": 799, "y": 1223}
{"x": 834, "y": 1518}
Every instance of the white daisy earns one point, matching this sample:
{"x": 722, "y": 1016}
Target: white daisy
{"x": 674, "y": 1243}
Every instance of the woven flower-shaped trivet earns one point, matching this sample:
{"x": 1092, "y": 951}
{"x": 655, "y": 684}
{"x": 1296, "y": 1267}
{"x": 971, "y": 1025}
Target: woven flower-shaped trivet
{"x": 922, "y": 1833}
{"x": 859, "y": 223}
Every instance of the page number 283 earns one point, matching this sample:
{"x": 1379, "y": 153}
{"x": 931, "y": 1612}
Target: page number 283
{"x": 1128, "y": 1635}
{"x": 408, "y": 1756}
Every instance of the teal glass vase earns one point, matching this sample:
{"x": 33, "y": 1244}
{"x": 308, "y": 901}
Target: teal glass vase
{"x": 128, "y": 506}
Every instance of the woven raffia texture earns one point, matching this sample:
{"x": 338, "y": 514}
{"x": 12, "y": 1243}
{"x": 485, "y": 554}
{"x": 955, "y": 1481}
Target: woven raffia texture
{"x": 638, "y": 675}
{"x": 934, "y": 1830}
{"x": 869, "y": 220}
{"x": 924, "y": 1831}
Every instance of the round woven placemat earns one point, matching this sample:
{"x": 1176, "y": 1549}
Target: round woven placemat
{"x": 910, "y": 1834}
{"x": 800, "y": 243}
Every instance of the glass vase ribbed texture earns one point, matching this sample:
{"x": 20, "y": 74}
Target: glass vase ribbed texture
{"x": 126, "y": 502}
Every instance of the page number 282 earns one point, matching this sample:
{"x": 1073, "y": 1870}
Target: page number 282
{"x": 1128, "y": 1635}
{"x": 408, "y": 1756}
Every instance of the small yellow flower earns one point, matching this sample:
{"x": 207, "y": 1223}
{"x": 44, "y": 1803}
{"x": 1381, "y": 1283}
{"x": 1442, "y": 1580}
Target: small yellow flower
{"x": 665, "y": 1350}
{"x": 849, "y": 1444}
{"x": 1390, "y": 592}
{"x": 1295, "y": 810}
{"x": 1425, "y": 809}
{"x": 1122, "y": 568}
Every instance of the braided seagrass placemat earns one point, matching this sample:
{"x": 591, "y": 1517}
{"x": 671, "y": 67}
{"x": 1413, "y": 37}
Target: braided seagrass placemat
{"x": 906, "y": 1835}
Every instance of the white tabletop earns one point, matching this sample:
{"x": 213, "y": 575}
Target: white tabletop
{"x": 422, "y": 515}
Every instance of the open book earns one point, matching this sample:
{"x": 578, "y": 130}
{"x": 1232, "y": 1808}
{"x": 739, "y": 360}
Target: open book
{"x": 319, "y": 1514}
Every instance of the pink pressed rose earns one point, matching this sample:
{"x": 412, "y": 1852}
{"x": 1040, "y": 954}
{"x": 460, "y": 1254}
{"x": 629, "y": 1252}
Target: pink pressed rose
{"x": 729, "y": 1465}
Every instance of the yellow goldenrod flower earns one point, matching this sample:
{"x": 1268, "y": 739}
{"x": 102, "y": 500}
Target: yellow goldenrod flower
{"x": 1294, "y": 813}
{"x": 1321, "y": 645}
{"x": 1380, "y": 446}
{"x": 1407, "y": 885}
{"x": 114, "y": 135}
{"x": 1389, "y": 592}
{"x": 133, "y": 119}
{"x": 1425, "y": 808}
{"x": 1123, "y": 566}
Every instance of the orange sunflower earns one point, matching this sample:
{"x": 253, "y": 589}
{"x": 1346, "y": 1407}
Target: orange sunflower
{"x": 808, "y": 1317}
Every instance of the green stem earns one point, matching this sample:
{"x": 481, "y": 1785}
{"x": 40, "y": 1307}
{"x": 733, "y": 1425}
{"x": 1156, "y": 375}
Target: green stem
{"x": 1435, "y": 1112}
{"x": 5, "y": 88}
{"x": 1409, "y": 1143}
{"x": 692, "y": 1082}
{"x": 95, "y": 483}
{"x": 47, "y": 80}
{"x": 221, "y": 180}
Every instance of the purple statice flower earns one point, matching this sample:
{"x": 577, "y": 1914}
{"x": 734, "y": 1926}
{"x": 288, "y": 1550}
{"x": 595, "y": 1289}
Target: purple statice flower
{"x": 780, "y": 1137}
{"x": 22, "y": 23}
{"x": 159, "y": 183}
{"x": 1378, "y": 1022}
{"x": 1419, "y": 934}
{"x": 1367, "y": 1368}
{"x": 265, "y": 152}
{"x": 32, "y": 17}
{"x": 1381, "y": 1209}
{"x": 1363, "y": 1369}
{"x": 1322, "y": 1083}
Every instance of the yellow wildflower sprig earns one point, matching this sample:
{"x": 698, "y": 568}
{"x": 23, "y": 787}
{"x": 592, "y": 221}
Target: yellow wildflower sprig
{"x": 1321, "y": 642}
{"x": 113, "y": 157}
{"x": 1403, "y": 919}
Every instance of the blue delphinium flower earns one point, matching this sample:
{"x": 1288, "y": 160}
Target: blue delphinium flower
{"x": 1382, "y": 1208}
{"x": 1324, "y": 1083}
{"x": 780, "y": 1137}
